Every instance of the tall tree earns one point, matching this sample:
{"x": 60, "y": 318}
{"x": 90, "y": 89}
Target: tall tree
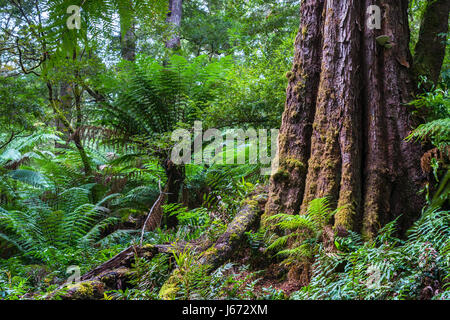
{"x": 174, "y": 21}
{"x": 345, "y": 120}
{"x": 429, "y": 51}
{"x": 127, "y": 31}
{"x": 175, "y": 173}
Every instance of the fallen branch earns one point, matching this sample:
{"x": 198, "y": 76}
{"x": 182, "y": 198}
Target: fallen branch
{"x": 154, "y": 216}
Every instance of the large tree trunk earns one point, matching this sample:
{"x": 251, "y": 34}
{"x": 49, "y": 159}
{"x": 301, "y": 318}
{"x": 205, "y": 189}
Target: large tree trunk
{"x": 174, "y": 22}
{"x": 430, "y": 48}
{"x": 345, "y": 119}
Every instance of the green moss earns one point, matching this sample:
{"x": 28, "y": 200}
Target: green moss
{"x": 313, "y": 187}
{"x": 168, "y": 291}
{"x": 347, "y": 210}
{"x": 210, "y": 252}
{"x": 292, "y": 163}
{"x": 282, "y": 138}
{"x": 170, "y": 288}
{"x": 304, "y": 31}
{"x": 280, "y": 175}
{"x": 234, "y": 236}
{"x": 290, "y": 75}
{"x": 82, "y": 290}
{"x": 330, "y": 164}
{"x": 249, "y": 202}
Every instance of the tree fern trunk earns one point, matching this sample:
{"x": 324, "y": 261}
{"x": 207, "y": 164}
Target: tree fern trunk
{"x": 175, "y": 178}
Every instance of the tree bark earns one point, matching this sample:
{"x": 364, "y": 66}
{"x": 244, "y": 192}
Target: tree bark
{"x": 429, "y": 51}
{"x": 174, "y": 21}
{"x": 175, "y": 173}
{"x": 127, "y": 34}
{"x": 175, "y": 179}
{"x": 65, "y": 100}
{"x": 345, "y": 118}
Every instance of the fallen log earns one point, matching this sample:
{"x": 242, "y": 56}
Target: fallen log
{"x": 111, "y": 275}
{"x": 227, "y": 244}
{"x": 123, "y": 259}
{"x": 116, "y": 272}
{"x": 224, "y": 247}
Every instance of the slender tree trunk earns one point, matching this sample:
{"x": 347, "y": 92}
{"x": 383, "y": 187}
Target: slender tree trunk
{"x": 175, "y": 173}
{"x": 56, "y": 104}
{"x": 430, "y": 48}
{"x": 174, "y": 21}
{"x": 65, "y": 97}
{"x": 343, "y": 129}
{"x": 127, "y": 33}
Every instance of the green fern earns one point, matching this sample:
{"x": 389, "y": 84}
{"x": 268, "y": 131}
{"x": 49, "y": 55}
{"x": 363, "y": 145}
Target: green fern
{"x": 437, "y": 131}
{"x": 387, "y": 268}
{"x": 302, "y": 230}
{"x": 72, "y": 222}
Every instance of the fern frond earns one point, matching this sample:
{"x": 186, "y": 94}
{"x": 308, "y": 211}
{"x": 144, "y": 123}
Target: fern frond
{"x": 438, "y": 131}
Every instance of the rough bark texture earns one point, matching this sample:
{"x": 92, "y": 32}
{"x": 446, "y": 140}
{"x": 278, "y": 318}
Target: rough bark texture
{"x": 294, "y": 140}
{"x": 392, "y": 173}
{"x": 127, "y": 35}
{"x": 175, "y": 178}
{"x": 175, "y": 173}
{"x": 174, "y": 22}
{"x": 228, "y": 242}
{"x": 128, "y": 43}
{"x": 345, "y": 119}
{"x": 430, "y": 48}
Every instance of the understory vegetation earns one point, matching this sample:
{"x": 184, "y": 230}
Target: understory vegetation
{"x": 85, "y": 169}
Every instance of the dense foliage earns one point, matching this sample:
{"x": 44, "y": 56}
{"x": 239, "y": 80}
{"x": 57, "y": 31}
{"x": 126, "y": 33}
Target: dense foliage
{"x": 85, "y": 137}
